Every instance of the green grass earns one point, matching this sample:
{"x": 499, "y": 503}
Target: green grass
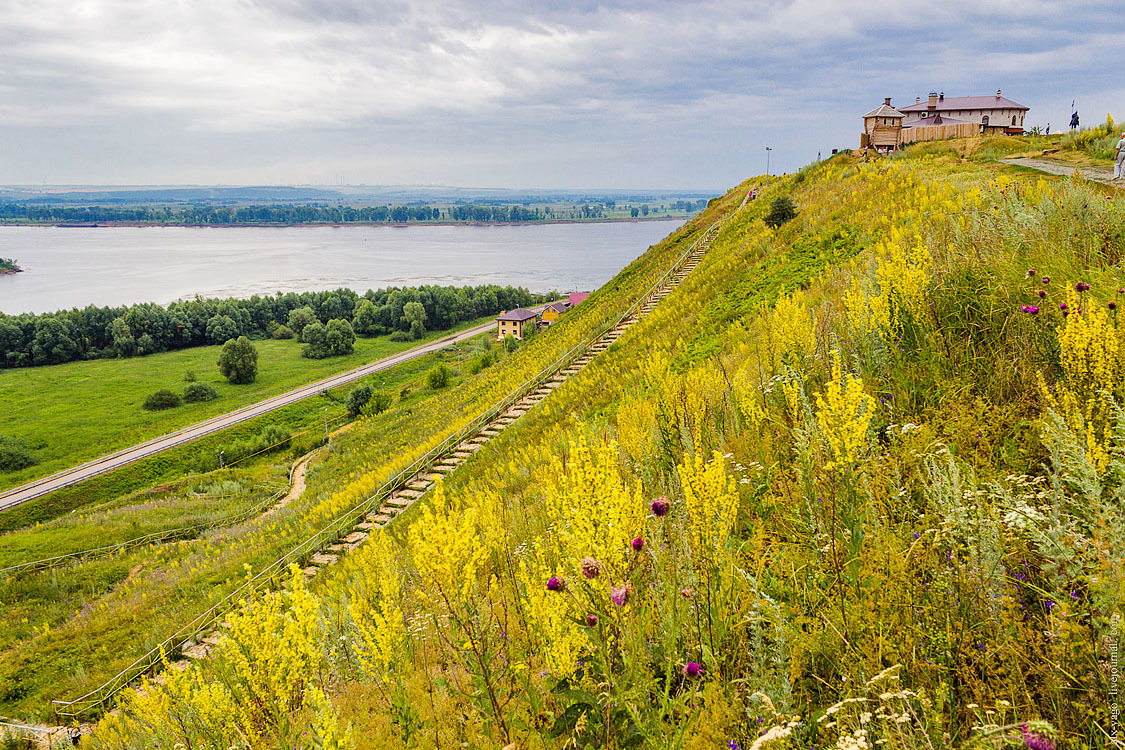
{"x": 75, "y": 412}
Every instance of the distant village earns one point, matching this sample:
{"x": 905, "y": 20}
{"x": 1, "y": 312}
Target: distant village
{"x": 521, "y": 322}
{"x": 887, "y": 129}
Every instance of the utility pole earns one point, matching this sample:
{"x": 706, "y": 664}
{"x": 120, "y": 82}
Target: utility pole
{"x": 221, "y": 458}
{"x": 768, "y": 149}
{"x": 326, "y": 424}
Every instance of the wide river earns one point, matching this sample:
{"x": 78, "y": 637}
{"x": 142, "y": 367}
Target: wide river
{"x": 68, "y": 267}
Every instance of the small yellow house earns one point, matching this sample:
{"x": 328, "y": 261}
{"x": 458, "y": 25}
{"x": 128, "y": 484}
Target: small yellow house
{"x": 553, "y": 311}
{"x": 516, "y": 323}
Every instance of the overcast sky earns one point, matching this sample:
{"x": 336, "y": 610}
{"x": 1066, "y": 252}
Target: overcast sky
{"x": 506, "y": 93}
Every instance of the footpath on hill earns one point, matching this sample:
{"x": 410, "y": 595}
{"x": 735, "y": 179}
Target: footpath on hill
{"x": 1098, "y": 174}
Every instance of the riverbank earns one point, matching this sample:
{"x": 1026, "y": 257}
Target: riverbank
{"x": 334, "y": 224}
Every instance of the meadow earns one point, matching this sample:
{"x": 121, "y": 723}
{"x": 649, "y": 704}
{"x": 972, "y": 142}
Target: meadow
{"x": 74, "y": 627}
{"x": 71, "y": 413}
{"x": 857, "y": 482}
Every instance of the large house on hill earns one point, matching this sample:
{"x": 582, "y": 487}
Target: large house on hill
{"x": 994, "y": 114}
{"x": 887, "y": 129}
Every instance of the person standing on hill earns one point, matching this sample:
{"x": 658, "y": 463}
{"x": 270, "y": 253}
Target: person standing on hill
{"x": 1119, "y": 159}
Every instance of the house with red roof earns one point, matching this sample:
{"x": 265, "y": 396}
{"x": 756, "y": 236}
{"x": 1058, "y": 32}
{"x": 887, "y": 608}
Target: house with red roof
{"x": 995, "y": 115}
{"x": 576, "y": 298}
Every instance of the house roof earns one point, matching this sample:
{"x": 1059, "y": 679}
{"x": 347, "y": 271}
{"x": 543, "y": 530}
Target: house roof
{"x": 518, "y": 314}
{"x": 575, "y": 298}
{"x": 965, "y": 102}
{"x": 884, "y": 110}
{"x": 559, "y": 307}
{"x": 936, "y": 121}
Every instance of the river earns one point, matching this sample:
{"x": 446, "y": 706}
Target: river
{"x": 68, "y": 267}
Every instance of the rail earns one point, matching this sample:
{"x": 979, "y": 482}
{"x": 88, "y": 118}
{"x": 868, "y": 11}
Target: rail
{"x": 270, "y": 576}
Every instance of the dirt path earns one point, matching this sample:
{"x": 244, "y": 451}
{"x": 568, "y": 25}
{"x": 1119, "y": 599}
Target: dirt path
{"x": 1098, "y": 174}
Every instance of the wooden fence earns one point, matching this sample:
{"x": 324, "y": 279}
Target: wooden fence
{"x": 938, "y": 132}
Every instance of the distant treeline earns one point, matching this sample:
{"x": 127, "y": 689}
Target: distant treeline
{"x": 309, "y": 214}
{"x": 101, "y": 332}
{"x": 8, "y": 265}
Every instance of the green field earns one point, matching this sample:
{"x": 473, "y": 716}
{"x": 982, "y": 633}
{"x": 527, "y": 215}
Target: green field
{"x": 74, "y": 412}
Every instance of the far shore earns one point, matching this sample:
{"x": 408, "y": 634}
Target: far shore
{"x": 392, "y": 225}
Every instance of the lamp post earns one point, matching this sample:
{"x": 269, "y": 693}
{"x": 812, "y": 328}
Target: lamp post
{"x": 768, "y": 149}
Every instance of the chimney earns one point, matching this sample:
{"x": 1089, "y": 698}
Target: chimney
{"x": 941, "y": 97}
{"x": 887, "y": 100}
{"x": 933, "y": 99}
{"x": 997, "y": 93}
{"x": 917, "y": 100}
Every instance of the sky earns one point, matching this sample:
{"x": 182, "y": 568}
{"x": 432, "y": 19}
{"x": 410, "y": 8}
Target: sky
{"x": 510, "y": 94}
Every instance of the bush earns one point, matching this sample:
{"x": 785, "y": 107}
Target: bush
{"x": 480, "y": 362}
{"x": 196, "y": 392}
{"x": 238, "y": 362}
{"x": 400, "y": 336}
{"x": 782, "y": 209}
{"x": 510, "y": 343}
{"x": 279, "y": 332}
{"x": 162, "y": 399}
{"x": 15, "y": 454}
{"x": 438, "y": 377}
{"x": 357, "y": 398}
{"x": 379, "y": 403}
{"x": 189, "y": 376}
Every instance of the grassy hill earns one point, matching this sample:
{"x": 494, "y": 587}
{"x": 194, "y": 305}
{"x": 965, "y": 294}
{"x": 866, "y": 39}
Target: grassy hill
{"x": 856, "y": 482}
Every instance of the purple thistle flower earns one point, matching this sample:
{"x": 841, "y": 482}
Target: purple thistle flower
{"x": 554, "y": 583}
{"x": 1062, "y": 306}
{"x": 1112, "y": 305}
{"x": 660, "y": 506}
{"x": 1042, "y": 294}
{"x": 1036, "y": 741}
{"x": 691, "y": 669}
{"x": 591, "y": 621}
{"x": 638, "y": 544}
{"x": 1121, "y": 291}
{"x": 1032, "y": 310}
{"x": 620, "y": 594}
{"x": 1030, "y": 272}
{"x": 1046, "y": 280}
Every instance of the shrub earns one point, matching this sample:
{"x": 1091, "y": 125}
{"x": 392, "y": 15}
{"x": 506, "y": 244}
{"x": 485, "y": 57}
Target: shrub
{"x": 438, "y": 377}
{"x": 379, "y": 403}
{"x": 357, "y": 398}
{"x": 279, "y": 332}
{"x": 510, "y": 343}
{"x": 400, "y": 336}
{"x": 480, "y": 362}
{"x": 189, "y": 376}
{"x": 196, "y": 392}
{"x": 15, "y": 454}
{"x": 238, "y": 362}
{"x": 162, "y": 399}
{"x": 782, "y": 209}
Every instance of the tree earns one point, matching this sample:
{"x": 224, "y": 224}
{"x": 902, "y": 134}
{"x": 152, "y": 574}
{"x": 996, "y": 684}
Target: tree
{"x": 414, "y": 315}
{"x": 510, "y": 343}
{"x": 238, "y": 362}
{"x": 366, "y": 319}
{"x": 782, "y": 209}
{"x": 330, "y": 340}
{"x": 299, "y": 318}
{"x": 339, "y": 337}
{"x": 634, "y": 212}
{"x": 121, "y": 338}
{"x": 221, "y": 328}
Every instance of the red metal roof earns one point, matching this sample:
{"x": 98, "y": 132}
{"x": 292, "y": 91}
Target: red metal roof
{"x": 965, "y": 102}
{"x": 575, "y": 298}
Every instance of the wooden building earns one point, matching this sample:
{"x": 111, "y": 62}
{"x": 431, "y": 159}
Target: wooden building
{"x": 882, "y": 128}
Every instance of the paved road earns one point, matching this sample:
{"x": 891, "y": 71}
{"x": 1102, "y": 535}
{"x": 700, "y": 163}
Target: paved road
{"x": 40, "y": 487}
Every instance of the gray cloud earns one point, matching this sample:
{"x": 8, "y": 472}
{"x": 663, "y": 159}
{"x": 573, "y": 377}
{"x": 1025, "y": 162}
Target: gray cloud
{"x": 540, "y": 93}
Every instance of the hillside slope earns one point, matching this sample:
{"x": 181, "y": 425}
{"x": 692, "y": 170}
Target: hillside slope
{"x": 855, "y": 482}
